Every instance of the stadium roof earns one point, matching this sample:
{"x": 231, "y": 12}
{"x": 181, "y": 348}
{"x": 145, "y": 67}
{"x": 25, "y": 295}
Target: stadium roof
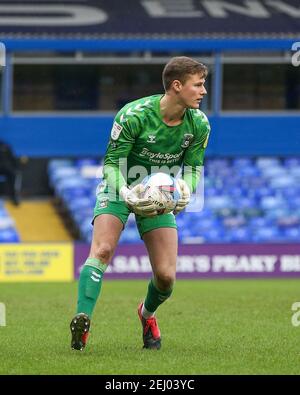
{"x": 156, "y": 19}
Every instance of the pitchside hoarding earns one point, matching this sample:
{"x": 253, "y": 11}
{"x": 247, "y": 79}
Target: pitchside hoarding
{"x": 205, "y": 261}
{"x": 36, "y": 262}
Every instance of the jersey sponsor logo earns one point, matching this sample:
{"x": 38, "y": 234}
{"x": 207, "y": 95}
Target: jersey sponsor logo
{"x": 151, "y": 139}
{"x": 187, "y": 139}
{"x": 115, "y": 131}
{"x": 160, "y": 155}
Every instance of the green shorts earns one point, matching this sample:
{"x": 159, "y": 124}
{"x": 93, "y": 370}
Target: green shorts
{"x": 120, "y": 210}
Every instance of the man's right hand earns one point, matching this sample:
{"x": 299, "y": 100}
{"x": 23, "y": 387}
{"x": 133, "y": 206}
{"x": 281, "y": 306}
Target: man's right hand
{"x": 134, "y": 200}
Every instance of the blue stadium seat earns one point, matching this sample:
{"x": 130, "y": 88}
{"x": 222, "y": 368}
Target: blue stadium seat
{"x": 130, "y": 236}
{"x": 295, "y": 172}
{"x": 82, "y": 215}
{"x": 267, "y": 234}
{"x": 74, "y": 193}
{"x": 248, "y": 171}
{"x": 291, "y": 193}
{"x": 262, "y": 162}
{"x": 79, "y": 204}
{"x": 85, "y": 162}
{"x": 8, "y": 232}
{"x": 271, "y": 202}
{"x": 62, "y": 174}
{"x": 238, "y": 235}
{"x": 294, "y": 203}
{"x": 58, "y": 163}
{"x": 69, "y": 184}
{"x": 288, "y": 221}
{"x": 292, "y": 234}
{"x": 234, "y": 222}
{"x": 219, "y": 202}
{"x": 9, "y": 236}
{"x": 282, "y": 182}
{"x": 291, "y": 162}
{"x": 242, "y": 162}
{"x": 273, "y": 172}
{"x": 259, "y": 222}
{"x": 6, "y": 222}
{"x": 215, "y": 235}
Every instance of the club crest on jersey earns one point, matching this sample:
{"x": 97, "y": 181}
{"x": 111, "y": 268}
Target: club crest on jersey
{"x": 151, "y": 138}
{"x": 187, "y": 138}
{"x": 115, "y": 131}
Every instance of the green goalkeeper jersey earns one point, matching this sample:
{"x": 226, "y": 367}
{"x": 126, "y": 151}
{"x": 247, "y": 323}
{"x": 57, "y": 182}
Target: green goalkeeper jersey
{"x": 141, "y": 144}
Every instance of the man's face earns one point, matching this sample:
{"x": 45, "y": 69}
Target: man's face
{"x": 192, "y": 91}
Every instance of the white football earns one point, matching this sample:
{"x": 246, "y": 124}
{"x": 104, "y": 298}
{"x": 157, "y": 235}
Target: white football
{"x": 163, "y": 190}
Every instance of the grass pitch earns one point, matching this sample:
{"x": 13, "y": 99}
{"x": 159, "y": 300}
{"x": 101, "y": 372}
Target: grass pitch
{"x": 208, "y": 327}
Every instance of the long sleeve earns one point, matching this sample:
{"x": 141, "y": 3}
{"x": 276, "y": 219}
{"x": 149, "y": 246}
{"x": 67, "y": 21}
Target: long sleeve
{"x": 121, "y": 141}
{"x": 194, "y": 156}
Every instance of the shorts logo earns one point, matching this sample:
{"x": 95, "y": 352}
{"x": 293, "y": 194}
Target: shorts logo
{"x": 187, "y": 139}
{"x": 116, "y": 131}
{"x": 103, "y": 203}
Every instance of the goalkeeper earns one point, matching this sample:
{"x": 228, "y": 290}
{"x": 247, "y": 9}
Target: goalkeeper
{"x": 166, "y": 130}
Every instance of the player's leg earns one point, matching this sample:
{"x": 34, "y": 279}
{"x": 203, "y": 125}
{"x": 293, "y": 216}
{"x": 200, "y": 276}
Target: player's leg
{"x": 110, "y": 217}
{"x": 109, "y": 220}
{"x": 106, "y": 233}
{"x": 160, "y": 237}
{"x": 162, "y": 248}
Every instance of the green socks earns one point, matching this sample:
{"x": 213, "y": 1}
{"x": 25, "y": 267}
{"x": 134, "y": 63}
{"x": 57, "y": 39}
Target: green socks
{"x": 155, "y": 297}
{"x": 89, "y": 286}
{"x": 90, "y": 283}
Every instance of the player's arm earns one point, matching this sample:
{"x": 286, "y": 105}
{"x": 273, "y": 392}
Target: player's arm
{"x": 194, "y": 158}
{"x": 192, "y": 165}
{"x": 122, "y": 138}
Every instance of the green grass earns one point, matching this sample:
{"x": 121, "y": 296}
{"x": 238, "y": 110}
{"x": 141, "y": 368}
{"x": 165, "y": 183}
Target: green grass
{"x": 208, "y": 327}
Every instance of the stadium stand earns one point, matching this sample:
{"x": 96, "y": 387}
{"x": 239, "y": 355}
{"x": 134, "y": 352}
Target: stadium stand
{"x": 40, "y": 224}
{"x": 8, "y": 232}
{"x": 246, "y": 200}
{"x": 10, "y": 171}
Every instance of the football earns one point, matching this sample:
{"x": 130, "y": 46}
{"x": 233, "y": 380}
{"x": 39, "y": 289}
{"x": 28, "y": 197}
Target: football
{"x": 163, "y": 190}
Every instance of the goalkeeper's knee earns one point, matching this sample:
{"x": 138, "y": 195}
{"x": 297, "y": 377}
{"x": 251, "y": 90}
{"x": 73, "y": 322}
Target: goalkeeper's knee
{"x": 164, "y": 282}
